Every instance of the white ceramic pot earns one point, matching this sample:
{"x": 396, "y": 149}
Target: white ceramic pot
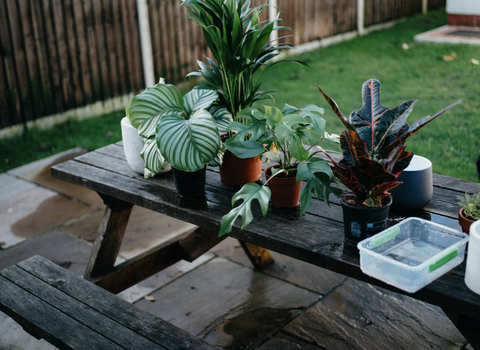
{"x": 472, "y": 273}
{"x": 133, "y": 145}
{"x": 416, "y": 191}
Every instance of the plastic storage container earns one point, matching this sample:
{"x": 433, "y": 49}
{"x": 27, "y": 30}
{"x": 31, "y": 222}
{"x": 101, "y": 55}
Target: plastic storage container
{"x": 412, "y": 254}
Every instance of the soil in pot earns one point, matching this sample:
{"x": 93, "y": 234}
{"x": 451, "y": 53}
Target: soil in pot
{"x": 190, "y": 184}
{"x": 360, "y": 221}
{"x": 285, "y": 191}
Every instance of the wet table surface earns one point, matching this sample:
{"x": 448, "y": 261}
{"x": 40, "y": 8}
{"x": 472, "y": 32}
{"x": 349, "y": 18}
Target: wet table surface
{"x": 316, "y": 238}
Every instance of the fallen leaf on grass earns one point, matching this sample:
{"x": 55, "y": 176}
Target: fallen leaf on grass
{"x": 449, "y": 58}
{"x": 405, "y": 46}
{"x": 150, "y": 297}
{"x": 474, "y": 61}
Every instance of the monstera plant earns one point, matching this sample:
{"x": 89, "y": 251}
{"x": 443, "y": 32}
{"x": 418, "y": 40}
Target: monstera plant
{"x": 288, "y": 137}
{"x": 176, "y": 128}
{"x": 240, "y": 44}
{"x": 373, "y": 149}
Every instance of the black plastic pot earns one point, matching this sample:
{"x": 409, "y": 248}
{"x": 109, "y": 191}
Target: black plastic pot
{"x": 190, "y": 184}
{"x": 360, "y": 222}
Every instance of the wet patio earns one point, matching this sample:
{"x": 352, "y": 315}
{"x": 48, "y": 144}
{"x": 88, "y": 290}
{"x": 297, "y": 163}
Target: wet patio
{"x": 219, "y": 297}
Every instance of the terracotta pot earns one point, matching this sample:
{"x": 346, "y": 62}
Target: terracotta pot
{"x": 236, "y": 171}
{"x": 361, "y": 222}
{"x": 464, "y": 222}
{"x": 285, "y": 191}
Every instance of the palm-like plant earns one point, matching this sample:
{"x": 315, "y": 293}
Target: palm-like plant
{"x": 240, "y": 45}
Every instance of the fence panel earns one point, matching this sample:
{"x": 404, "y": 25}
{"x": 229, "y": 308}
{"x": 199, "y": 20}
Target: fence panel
{"x": 56, "y": 55}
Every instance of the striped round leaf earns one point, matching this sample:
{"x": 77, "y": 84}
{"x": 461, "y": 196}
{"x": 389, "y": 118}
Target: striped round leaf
{"x": 199, "y": 98}
{"x": 152, "y": 156}
{"x": 222, "y": 116}
{"x": 146, "y": 108}
{"x": 188, "y": 144}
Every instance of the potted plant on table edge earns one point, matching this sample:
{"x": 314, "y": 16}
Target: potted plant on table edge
{"x": 239, "y": 42}
{"x": 281, "y": 136}
{"x": 180, "y": 130}
{"x": 469, "y": 211}
{"x": 373, "y": 149}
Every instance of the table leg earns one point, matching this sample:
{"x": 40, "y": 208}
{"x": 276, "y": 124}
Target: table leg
{"x": 469, "y": 327}
{"x": 109, "y": 238}
{"x": 259, "y": 257}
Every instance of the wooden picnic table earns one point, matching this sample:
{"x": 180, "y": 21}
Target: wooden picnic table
{"x": 316, "y": 238}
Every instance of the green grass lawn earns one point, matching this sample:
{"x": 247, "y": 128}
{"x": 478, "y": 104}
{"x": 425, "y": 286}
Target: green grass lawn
{"x": 451, "y": 142}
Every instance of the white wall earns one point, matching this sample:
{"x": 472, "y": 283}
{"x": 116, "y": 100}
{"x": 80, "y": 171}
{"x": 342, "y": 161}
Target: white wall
{"x": 463, "y": 7}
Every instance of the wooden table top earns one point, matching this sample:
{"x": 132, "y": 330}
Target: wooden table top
{"x": 316, "y": 238}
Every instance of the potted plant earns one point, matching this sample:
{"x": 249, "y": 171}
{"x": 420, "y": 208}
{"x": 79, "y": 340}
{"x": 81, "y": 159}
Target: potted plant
{"x": 373, "y": 149}
{"x": 239, "y": 43}
{"x": 179, "y": 130}
{"x": 469, "y": 211}
{"x": 288, "y": 137}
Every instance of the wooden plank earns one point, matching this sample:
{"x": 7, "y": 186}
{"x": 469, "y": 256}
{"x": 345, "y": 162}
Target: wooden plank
{"x": 54, "y": 68}
{"x": 137, "y": 79}
{"x": 198, "y": 243}
{"x": 33, "y": 79}
{"x": 107, "y": 241}
{"x": 258, "y": 256}
{"x": 44, "y": 321}
{"x": 102, "y": 58}
{"x": 110, "y": 47}
{"x": 313, "y": 239}
{"x": 91, "y": 51}
{"x": 153, "y": 11}
{"x": 39, "y": 32}
{"x": 82, "y": 54}
{"x": 466, "y": 325}
{"x": 117, "y": 25}
{"x": 7, "y": 95}
{"x": 134, "y": 318}
{"x": 19, "y": 64}
{"x": 98, "y": 323}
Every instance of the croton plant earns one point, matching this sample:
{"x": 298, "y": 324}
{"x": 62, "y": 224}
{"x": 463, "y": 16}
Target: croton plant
{"x": 373, "y": 144}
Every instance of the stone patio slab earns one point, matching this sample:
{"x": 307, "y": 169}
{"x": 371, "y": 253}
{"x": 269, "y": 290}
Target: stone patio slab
{"x": 39, "y": 172}
{"x": 11, "y": 186}
{"x": 34, "y": 212}
{"x": 145, "y": 230}
{"x": 229, "y": 305}
{"x": 360, "y": 316}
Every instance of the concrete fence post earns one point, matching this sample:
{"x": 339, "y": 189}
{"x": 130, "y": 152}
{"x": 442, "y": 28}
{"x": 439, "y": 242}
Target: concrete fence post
{"x": 272, "y": 15}
{"x": 361, "y": 17}
{"x": 145, "y": 43}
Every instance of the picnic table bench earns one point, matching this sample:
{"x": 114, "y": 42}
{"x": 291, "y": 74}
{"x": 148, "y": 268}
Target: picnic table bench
{"x": 52, "y": 303}
{"x": 316, "y": 238}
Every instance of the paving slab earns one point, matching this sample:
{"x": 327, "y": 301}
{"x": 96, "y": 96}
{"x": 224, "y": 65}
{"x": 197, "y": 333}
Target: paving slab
{"x": 34, "y": 212}
{"x": 292, "y": 270}
{"x": 357, "y": 315}
{"x": 11, "y": 186}
{"x": 146, "y": 229}
{"x": 55, "y": 246}
{"x": 228, "y": 304}
{"x": 39, "y": 173}
{"x": 13, "y": 337}
{"x": 286, "y": 342}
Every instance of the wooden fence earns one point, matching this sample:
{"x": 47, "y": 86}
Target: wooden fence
{"x": 56, "y": 55}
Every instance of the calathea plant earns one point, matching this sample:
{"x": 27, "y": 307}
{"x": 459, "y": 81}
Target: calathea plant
{"x": 373, "y": 145}
{"x": 285, "y": 136}
{"x": 178, "y": 129}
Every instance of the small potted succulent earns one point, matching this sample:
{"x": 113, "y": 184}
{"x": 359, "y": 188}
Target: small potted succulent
{"x": 288, "y": 137}
{"x": 239, "y": 43}
{"x": 179, "y": 130}
{"x": 373, "y": 149}
{"x": 469, "y": 211}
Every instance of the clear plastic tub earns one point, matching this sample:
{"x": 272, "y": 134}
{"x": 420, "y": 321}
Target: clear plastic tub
{"x": 412, "y": 254}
